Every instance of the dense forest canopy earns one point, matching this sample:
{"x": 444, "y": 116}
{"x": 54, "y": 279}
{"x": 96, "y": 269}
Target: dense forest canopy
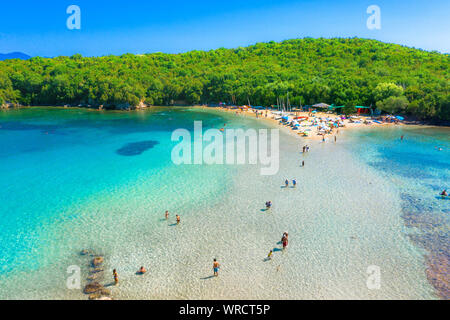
{"x": 339, "y": 71}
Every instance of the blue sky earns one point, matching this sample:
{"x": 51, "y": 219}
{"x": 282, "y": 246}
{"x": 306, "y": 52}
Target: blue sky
{"x": 138, "y": 26}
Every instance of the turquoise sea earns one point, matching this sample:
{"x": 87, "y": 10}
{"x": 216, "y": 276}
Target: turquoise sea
{"x": 74, "y": 179}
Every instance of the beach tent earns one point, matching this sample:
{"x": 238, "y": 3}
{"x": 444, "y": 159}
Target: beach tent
{"x": 362, "y": 109}
{"x": 321, "y": 105}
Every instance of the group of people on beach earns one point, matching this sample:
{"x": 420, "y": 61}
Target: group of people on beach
{"x": 284, "y": 241}
{"x": 294, "y": 183}
{"x": 178, "y": 219}
{"x": 305, "y": 148}
{"x": 141, "y": 271}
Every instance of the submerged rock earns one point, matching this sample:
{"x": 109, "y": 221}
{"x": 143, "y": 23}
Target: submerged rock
{"x": 94, "y": 276}
{"x": 93, "y": 287}
{"x": 97, "y": 261}
{"x": 103, "y": 294}
{"x": 96, "y": 270}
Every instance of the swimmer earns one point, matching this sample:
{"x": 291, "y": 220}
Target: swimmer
{"x": 444, "y": 193}
{"x": 178, "y": 219}
{"x": 167, "y": 214}
{"x": 142, "y": 270}
{"x": 116, "y": 277}
{"x": 216, "y": 267}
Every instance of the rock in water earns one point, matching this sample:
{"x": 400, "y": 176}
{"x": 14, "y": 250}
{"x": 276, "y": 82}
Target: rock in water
{"x": 93, "y": 287}
{"x": 97, "y": 261}
{"x": 96, "y": 270}
{"x": 102, "y": 294}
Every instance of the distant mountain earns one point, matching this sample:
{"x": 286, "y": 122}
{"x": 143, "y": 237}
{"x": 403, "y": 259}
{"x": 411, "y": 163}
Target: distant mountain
{"x": 14, "y": 55}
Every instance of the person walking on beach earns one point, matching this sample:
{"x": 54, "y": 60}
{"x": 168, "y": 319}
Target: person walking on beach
{"x": 286, "y": 182}
{"x": 178, "y": 219}
{"x": 303, "y": 163}
{"x": 167, "y": 215}
{"x": 269, "y": 256}
{"x": 335, "y": 138}
{"x": 216, "y": 267}
{"x": 284, "y": 240}
{"x": 294, "y": 183}
{"x": 116, "y": 277}
{"x": 304, "y": 148}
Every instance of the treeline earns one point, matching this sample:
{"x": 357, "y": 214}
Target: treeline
{"x": 339, "y": 71}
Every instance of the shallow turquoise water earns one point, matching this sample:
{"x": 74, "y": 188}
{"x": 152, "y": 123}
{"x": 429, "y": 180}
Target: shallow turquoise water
{"x": 78, "y": 179}
{"x": 53, "y": 160}
{"x": 419, "y": 167}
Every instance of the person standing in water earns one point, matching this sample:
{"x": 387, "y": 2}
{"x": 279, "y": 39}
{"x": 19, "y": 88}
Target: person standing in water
{"x": 116, "y": 277}
{"x": 216, "y": 267}
{"x": 401, "y": 138}
{"x": 284, "y": 240}
{"x": 178, "y": 219}
{"x": 167, "y": 215}
{"x": 142, "y": 270}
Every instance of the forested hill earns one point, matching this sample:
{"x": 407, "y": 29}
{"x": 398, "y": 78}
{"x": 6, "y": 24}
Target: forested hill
{"x": 341, "y": 71}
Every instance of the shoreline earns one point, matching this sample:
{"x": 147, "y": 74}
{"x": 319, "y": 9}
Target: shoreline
{"x": 251, "y": 113}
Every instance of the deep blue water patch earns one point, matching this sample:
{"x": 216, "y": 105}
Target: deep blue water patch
{"x": 136, "y": 148}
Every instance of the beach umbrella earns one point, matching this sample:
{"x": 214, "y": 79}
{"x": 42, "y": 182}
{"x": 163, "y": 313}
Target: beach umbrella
{"x": 400, "y": 118}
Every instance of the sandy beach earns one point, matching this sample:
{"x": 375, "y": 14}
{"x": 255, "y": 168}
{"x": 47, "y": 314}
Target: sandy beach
{"x": 362, "y": 121}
